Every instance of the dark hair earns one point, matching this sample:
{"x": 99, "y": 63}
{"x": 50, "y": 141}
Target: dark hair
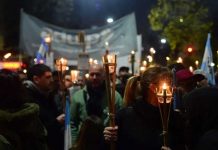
{"x": 91, "y": 134}
{"x": 124, "y": 68}
{"x": 154, "y": 75}
{"x": 11, "y": 90}
{"x": 55, "y": 73}
{"x": 37, "y": 70}
{"x": 177, "y": 66}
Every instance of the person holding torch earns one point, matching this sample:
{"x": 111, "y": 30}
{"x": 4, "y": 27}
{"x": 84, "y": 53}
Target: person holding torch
{"x": 139, "y": 125}
{"x": 91, "y": 101}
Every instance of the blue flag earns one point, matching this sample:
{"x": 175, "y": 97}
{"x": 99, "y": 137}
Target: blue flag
{"x": 41, "y": 52}
{"x": 207, "y": 61}
{"x": 67, "y": 133}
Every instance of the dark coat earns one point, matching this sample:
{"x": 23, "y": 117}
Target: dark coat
{"x": 48, "y": 114}
{"x": 21, "y": 129}
{"x": 139, "y": 127}
{"x": 202, "y": 118}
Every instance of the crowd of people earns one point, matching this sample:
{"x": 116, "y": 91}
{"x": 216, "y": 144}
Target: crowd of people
{"x": 32, "y": 110}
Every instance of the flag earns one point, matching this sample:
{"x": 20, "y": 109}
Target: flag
{"x": 207, "y": 61}
{"x": 67, "y": 132}
{"x": 41, "y": 52}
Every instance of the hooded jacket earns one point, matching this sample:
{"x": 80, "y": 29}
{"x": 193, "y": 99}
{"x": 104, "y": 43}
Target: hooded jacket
{"x": 21, "y": 129}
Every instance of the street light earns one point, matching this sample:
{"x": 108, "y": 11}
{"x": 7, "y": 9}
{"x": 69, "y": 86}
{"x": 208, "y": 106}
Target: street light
{"x": 163, "y": 40}
{"x": 190, "y": 49}
{"x": 110, "y": 20}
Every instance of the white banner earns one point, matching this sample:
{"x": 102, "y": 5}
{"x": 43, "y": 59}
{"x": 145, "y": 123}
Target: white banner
{"x": 120, "y": 35}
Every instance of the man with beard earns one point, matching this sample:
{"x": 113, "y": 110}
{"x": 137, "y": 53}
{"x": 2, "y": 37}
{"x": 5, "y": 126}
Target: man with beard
{"x": 91, "y": 100}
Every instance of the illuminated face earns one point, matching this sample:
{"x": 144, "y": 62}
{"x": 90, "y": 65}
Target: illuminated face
{"x": 96, "y": 76}
{"x": 44, "y": 82}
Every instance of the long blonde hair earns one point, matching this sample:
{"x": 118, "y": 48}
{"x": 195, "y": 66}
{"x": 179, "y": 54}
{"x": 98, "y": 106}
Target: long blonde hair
{"x": 132, "y": 90}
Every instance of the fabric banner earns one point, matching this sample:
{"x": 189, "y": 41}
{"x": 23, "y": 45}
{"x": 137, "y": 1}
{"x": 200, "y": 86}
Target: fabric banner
{"x": 120, "y": 37}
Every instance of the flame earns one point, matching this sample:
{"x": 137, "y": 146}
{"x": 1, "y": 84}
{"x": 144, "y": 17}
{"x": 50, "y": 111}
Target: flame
{"x": 164, "y": 86}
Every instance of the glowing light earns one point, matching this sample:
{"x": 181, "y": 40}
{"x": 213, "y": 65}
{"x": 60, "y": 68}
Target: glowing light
{"x": 48, "y": 39}
{"x": 190, "y": 49}
{"x": 86, "y": 75}
{"x": 11, "y": 65}
{"x": 196, "y": 62}
{"x": 150, "y": 59}
{"x": 191, "y": 68}
{"x": 142, "y": 68}
{"x": 163, "y": 41}
{"x": 106, "y": 43}
{"x": 61, "y": 64}
{"x": 41, "y": 61}
{"x": 179, "y": 60}
{"x": 74, "y": 75}
{"x": 132, "y": 52}
{"x": 212, "y": 64}
{"x": 152, "y": 50}
{"x": 110, "y": 20}
{"x": 24, "y": 71}
{"x": 144, "y": 63}
{"x": 95, "y": 61}
{"x": 6, "y": 56}
{"x": 167, "y": 58}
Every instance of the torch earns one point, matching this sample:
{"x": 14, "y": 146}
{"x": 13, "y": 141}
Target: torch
{"x": 164, "y": 95}
{"x": 61, "y": 67}
{"x": 132, "y": 60}
{"x": 109, "y": 62}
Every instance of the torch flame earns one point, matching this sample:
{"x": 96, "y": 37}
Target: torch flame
{"x": 164, "y": 86}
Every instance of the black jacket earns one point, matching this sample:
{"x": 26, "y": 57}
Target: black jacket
{"x": 22, "y": 129}
{"x": 48, "y": 114}
{"x": 139, "y": 127}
